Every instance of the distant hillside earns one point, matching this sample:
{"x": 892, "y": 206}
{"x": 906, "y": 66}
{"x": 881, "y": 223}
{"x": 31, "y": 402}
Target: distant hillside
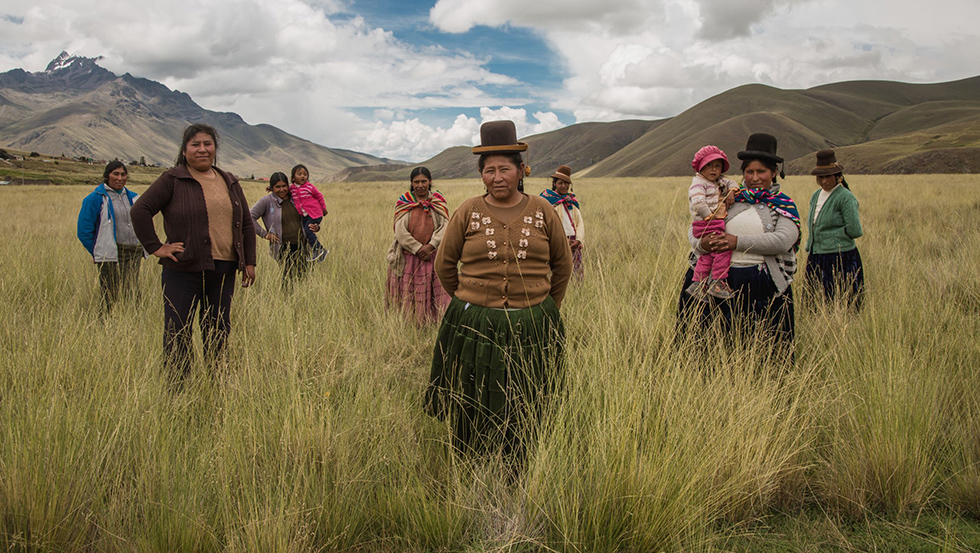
{"x": 578, "y": 146}
{"x": 885, "y": 127}
{"x": 77, "y": 108}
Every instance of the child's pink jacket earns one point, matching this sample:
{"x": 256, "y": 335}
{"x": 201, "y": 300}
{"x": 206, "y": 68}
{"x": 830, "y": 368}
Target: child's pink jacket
{"x": 308, "y": 200}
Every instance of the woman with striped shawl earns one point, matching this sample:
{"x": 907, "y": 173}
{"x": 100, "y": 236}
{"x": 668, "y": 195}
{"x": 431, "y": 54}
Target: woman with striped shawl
{"x": 421, "y": 215}
{"x": 762, "y": 230}
{"x": 566, "y": 206}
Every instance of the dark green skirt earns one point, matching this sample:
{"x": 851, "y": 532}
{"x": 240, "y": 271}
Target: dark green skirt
{"x": 491, "y": 371}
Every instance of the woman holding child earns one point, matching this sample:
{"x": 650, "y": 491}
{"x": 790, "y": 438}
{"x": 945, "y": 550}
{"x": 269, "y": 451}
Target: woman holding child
{"x": 762, "y": 233}
{"x": 283, "y": 228}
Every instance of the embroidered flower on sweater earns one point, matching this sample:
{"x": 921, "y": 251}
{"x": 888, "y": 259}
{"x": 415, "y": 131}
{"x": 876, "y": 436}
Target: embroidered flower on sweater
{"x": 492, "y": 244}
{"x": 475, "y": 225}
{"x": 539, "y": 215}
{"x": 526, "y": 231}
{"x": 539, "y": 223}
{"x": 486, "y": 220}
{"x": 521, "y": 254}
{"x": 528, "y": 220}
{"x": 474, "y": 215}
{"x": 492, "y": 254}
{"x": 522, "y": 243}
{"x": 490, "y": 231}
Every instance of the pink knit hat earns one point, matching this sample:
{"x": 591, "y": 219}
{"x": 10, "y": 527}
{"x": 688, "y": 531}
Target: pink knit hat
{"x": 708, "y": 154}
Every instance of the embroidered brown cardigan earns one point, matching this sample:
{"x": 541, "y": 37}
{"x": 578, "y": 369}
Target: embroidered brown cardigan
{"x": 505, "y": 264}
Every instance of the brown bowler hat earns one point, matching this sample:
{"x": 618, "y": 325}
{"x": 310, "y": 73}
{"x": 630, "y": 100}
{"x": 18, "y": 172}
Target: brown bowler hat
{"x": 564, "y": 173}
{"x": 827, "y": 164}
{"x": 499, "y": 137}
{"x": 760, "y": 146}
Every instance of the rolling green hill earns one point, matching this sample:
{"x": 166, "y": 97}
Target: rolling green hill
{"x": 578, "y": 146}
{"x": 917, "y": 128}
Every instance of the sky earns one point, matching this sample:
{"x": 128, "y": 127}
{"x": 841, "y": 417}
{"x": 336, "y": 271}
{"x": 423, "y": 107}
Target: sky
{"x": 405, "y": 79}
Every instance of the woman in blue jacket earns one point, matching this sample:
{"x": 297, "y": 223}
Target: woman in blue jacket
{"x": 106, "y": 231}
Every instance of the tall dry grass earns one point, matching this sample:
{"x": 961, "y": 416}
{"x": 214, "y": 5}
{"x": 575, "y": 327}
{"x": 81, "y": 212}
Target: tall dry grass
{"x": 312, "y": 438}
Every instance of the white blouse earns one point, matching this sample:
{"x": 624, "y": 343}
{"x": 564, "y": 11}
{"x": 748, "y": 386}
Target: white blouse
{"x": 746, "y": 223}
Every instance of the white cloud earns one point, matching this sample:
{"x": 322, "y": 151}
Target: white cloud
{"x": 414, "y": 140}
{"x": 286, "y": 62}
{"x": 675, "y": 53}
{"x": 303, "y": 64}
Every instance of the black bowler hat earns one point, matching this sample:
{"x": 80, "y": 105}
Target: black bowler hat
{"x": 760, "y": 146}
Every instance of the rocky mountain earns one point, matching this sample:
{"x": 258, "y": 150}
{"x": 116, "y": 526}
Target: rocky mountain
{"x": 78, "y": 108}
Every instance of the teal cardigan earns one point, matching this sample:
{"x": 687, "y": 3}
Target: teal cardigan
{"x": 837, "y": 226}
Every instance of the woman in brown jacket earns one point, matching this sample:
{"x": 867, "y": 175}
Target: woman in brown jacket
{"x": 209, "y": 238}
{"x": 500, "y": 342}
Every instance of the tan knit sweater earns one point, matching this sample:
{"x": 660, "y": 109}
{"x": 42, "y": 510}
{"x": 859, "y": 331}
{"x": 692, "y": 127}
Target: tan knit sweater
{"x": 505, "y": 264}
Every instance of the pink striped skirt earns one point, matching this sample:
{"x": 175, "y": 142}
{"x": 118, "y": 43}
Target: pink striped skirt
{"x": 418, "y": 292}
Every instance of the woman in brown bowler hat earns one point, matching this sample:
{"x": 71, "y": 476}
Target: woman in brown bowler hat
{"x": 500, "y": 342}
{"x": 834, "y": 263}
{"x": 567, "y": 207}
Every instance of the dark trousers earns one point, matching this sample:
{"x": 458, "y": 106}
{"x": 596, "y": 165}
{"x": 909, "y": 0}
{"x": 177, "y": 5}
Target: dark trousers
{"x": 209, "y": 294}
{"x": 295, "y": 261}
{"x": 118, "y": 278}
{"x": 310, "y": 235}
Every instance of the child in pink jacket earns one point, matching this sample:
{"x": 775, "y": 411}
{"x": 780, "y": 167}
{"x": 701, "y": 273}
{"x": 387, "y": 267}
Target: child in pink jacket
{"x": 309, "y": 202}
{"x": 710, "y": 195}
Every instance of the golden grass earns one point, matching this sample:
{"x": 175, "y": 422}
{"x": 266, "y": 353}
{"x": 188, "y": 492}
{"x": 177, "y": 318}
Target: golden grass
{"x": 313, "y": 437}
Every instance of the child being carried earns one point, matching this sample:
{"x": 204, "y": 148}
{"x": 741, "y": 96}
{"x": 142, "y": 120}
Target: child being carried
{"x": 709, "y": 197}
{"x": 311, "y": 206}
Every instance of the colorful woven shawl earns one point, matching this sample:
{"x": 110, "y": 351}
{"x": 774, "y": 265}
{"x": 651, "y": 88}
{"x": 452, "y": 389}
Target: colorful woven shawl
{"x": 554, "y": 198}
{"x": 778, "y": 201}
{"x": 409, "y": 201}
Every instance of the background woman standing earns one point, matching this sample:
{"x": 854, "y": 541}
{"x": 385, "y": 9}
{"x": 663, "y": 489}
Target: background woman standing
{"x": 106, "y": 231}
{"x": 283, "y": 228}
{"x": 834, "y": 261}
{"x": 569, "y": 212}
{"x": 420, "y": 223}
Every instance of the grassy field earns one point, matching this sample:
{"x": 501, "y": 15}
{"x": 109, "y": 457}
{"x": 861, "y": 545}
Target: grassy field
{"x": 313, "y": 437}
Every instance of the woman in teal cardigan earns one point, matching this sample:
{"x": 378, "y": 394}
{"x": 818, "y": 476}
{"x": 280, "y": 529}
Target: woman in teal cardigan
{"x": 834, "y": 262}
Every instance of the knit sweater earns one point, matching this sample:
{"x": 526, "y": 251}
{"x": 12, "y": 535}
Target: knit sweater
{"x": 704, "y": 195}
{"x": 505, "y": 264}
{"x": 308, "y": 200}
{"x": 837, "y": 225}
{"x": 185, "y": 219}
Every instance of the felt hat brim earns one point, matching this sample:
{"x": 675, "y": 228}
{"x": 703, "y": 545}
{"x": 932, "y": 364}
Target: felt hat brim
{"x": 562, "y": 176}
{"x": 501, "y": 149}
{"x": 828, "y": 170}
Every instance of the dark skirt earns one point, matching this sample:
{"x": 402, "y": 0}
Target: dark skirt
{"x": 837, "y": 274}
{"x": 756, "y": 303}
{"x": 491, "y": 370}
